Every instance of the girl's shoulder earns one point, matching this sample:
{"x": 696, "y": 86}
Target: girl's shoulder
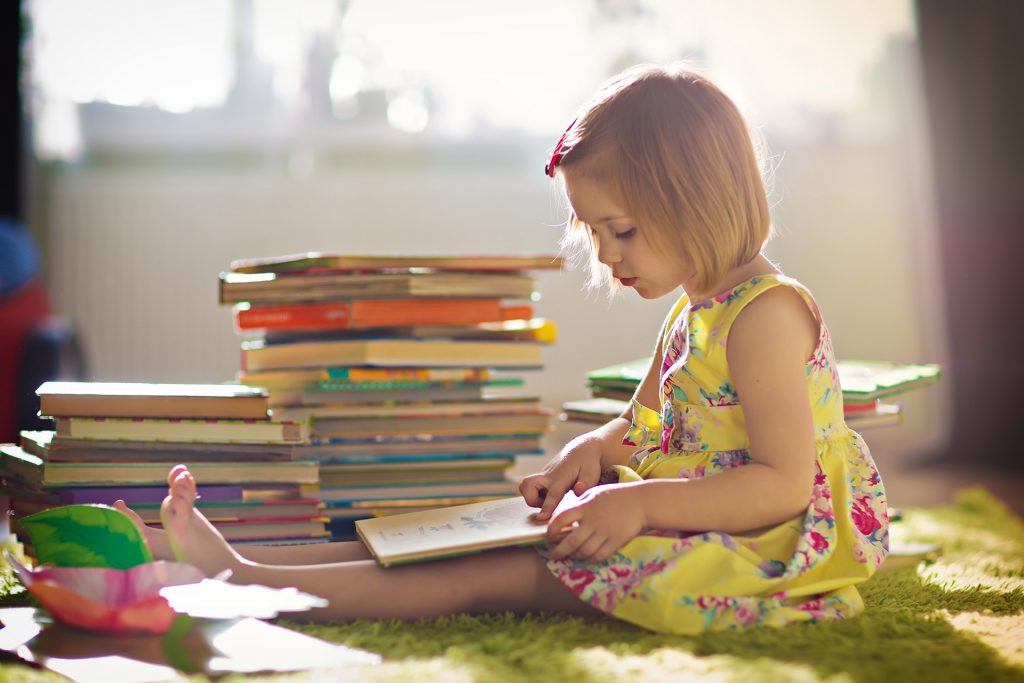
{"x": 727, "y": 305}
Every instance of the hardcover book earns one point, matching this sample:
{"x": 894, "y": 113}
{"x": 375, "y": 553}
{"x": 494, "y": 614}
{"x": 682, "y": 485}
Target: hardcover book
{"x": 531, "y": 329}
{"x": 452, "y": 531}
{"x": 155, "y": 473}
{"x": 865, "y": 381}
{"x": 391, "y": 352}
{"x": 155, "y": 429}
{"x": 140, "y": 399}
{"x": 522, "y": 422}
{"x": 370, "y": 496}
{"x": 295, "y": 288}
{"x": 358, "y": 314}
{"x": 50, "y": 448}
{"x": 861, "y": 381}
{"x": 319, "y": 260}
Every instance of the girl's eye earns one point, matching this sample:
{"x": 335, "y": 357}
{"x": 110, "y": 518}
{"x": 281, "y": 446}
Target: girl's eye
{"x": 625, "y": 234}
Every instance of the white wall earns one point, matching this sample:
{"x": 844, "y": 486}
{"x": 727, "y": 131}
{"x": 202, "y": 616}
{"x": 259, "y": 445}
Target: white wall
{"x": 133, "y": 255}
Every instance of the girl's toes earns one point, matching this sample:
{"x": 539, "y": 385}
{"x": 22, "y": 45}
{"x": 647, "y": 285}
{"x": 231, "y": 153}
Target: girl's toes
{"x": 173, "y": 474}
{"x": 183, "y": 485}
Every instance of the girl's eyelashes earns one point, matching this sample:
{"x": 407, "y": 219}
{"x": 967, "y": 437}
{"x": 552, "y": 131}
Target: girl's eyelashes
{"x": 625, "y": 234}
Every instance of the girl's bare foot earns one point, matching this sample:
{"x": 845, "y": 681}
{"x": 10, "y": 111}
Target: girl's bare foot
{"x": 191, "y": 537}
{"x": 156, "y": 539}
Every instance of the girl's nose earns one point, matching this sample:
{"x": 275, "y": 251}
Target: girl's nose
{"x": 608, "y": 252}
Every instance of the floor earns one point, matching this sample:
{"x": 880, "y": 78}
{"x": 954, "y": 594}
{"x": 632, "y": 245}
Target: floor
{"x": 930, "y": 484}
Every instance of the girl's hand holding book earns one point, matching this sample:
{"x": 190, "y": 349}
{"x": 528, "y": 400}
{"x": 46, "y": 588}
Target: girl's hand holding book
{"x": 577, "y": 469}
{"x": 601, "y": 522}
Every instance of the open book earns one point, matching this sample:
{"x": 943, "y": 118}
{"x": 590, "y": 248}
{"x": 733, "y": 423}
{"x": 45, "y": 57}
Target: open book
{"x": 451, "y": 531}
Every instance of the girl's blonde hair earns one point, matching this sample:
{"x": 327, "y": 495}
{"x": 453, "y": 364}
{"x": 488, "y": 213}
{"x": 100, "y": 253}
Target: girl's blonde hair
{"x": 678, "y": 156}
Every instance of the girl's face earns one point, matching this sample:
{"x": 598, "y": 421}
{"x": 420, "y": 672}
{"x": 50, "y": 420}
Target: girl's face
{"x": 620, "y": 246}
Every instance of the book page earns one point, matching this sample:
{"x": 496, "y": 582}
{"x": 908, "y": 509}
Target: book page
{"x": 454, "y": 530}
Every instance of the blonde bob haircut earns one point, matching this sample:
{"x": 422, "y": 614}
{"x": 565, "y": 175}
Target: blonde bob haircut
{"x": 676, "y": 153}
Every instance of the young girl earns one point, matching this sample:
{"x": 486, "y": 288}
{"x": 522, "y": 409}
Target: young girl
{"x": 730, "y": 494}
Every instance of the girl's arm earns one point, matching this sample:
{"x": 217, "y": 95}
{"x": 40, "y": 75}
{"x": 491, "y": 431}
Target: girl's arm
{"x": 768, "y": 348}
{"x": 579, "y": 465}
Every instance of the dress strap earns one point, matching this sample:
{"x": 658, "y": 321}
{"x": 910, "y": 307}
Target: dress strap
{"x": 741, "y": 295}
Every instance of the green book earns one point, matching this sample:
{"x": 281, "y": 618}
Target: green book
{"x": 622, "y": 376}
{"x": 862, "y": 381}
{"x": 866, "y": 381}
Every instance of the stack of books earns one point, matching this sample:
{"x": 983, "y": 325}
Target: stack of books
{"x": 405, "y": 369}
{"x": 120, "y": 439}
{"x": 21, "y": 487}
{"x": 866, "y": 385}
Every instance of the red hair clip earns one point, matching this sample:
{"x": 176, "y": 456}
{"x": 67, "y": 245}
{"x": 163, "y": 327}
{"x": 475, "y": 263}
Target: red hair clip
{"x": 556, "y": 156}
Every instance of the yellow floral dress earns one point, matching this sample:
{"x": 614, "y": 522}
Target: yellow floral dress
{"x": 804, "y": 569}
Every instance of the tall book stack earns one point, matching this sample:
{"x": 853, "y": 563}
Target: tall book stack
{"x": 406, "y": 369}
{"x": 868, "y": 387}
{"x": 120, "y": 439}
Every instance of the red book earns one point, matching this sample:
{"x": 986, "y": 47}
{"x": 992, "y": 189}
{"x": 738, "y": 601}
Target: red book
{"x": 375, "y": 313}
{"x": 870, "y": 406}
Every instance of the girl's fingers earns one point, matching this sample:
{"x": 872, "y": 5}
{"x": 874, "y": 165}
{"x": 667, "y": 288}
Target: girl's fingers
{"x": 532, "y": 489}
{"x": 588, "y": 550}
{"x": 606, "y": 550}
{"x": 562, "y": 521}
{"x": 571, "y": 543}
{"x": 554, "y": 496}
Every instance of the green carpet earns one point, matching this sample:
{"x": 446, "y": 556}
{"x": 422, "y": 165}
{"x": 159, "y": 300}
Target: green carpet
{"x": 959, "y": 618}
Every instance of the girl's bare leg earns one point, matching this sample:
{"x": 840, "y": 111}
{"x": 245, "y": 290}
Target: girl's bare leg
{"x": 313, "y": 553}
{"x": 509, "y": 580}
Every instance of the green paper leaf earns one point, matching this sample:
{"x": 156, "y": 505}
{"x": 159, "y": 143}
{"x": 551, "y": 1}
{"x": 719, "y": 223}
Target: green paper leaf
{"x": 86, "y": 536}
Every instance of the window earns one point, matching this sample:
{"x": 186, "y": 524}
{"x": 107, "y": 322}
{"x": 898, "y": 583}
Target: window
{"x": 198, "y": 75}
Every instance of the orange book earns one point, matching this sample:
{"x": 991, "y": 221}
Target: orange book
{"x": 375, "y": 313}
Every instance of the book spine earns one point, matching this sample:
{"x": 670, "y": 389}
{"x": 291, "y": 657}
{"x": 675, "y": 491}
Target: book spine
{"x": 154, "y": 429}
{"x": 358, "y": 375}
{"x": 373, "y": 313}
{"x": 334, "y": 315}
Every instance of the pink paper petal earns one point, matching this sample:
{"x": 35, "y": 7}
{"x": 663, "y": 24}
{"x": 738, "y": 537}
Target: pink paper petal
{"x": 108, "y": 600}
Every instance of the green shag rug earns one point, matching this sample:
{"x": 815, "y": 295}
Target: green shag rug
{"x": 958, "y": 618}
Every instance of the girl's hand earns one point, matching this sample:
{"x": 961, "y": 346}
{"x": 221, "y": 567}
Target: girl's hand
{"x": 577, "y": 470}
{"x": 603, "y": 520}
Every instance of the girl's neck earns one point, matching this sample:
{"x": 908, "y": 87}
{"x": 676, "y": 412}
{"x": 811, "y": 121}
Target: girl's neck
{"x": 759, "y": 265}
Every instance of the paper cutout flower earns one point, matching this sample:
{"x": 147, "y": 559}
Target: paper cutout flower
{"x": 216, "y": 599}
{"x": 85, "y": 536}
{"x": 117, "y": 601}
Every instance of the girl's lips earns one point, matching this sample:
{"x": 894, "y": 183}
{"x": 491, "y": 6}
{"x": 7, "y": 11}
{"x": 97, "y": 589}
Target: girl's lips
{"x": 628, "y": 281}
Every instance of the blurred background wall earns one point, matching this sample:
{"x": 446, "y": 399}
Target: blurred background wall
{"x": 162, "y": 140}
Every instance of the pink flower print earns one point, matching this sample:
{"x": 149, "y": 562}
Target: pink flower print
{"x": 819, "y": 477}
{"x": 864, "y": 516}
{"x": 745, "y": 616}
{"x": 860, "y": 553}
{"x": 814, "y": 607}
{"x": 818, "y": 361}
{"x": 712, "y": 602}
{"x": 620, "y": 571}
{"x": 823, "y": 509}
{"x": 818, "y": 542}
{"x": 579, "y": 579}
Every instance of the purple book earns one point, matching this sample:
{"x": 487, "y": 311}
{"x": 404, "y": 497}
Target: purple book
{"x": 141, "y": 494}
